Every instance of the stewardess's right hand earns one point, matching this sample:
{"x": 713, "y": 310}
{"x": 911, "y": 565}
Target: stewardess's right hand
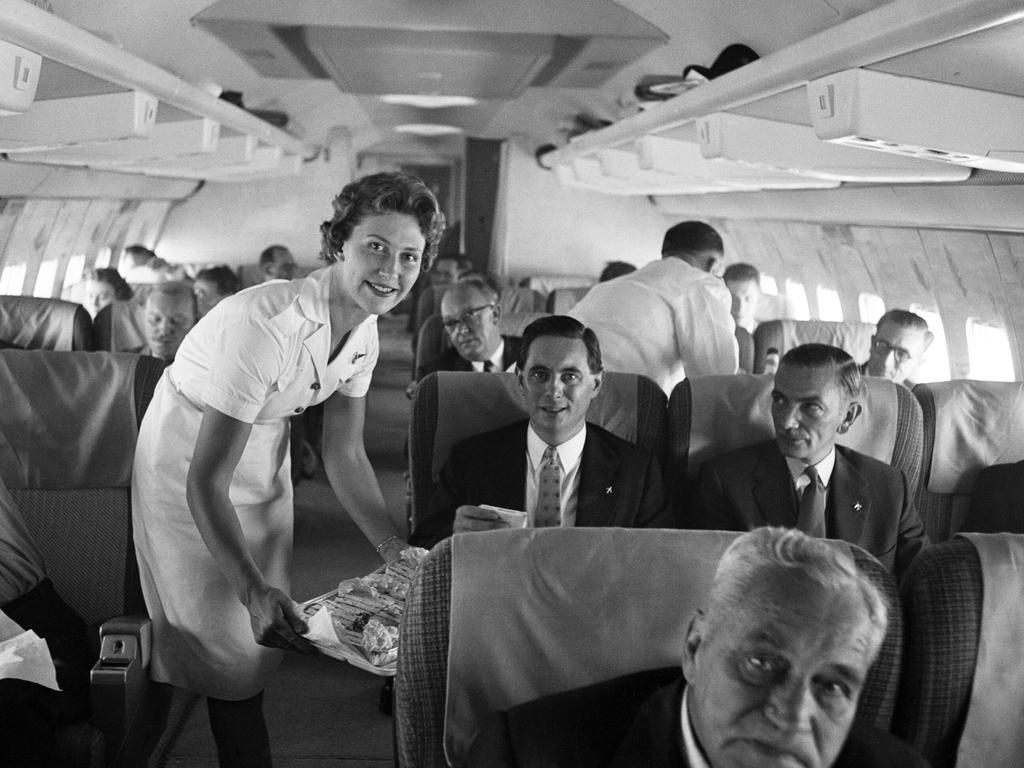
{"x": 277, "y": 621}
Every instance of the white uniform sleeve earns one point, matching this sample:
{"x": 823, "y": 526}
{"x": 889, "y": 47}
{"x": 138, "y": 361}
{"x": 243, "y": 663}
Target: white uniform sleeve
{"x": 246, "y": 366}
{"x": 706, "y": 332}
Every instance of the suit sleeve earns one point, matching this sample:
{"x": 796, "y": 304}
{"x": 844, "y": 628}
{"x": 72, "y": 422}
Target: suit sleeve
{"x": 492, "y": 746}
{"x": 911, "y": 537}
{"x": 708, "y": 508}
{"x": 449, "y": 494}
{"x": 654, "y": 510}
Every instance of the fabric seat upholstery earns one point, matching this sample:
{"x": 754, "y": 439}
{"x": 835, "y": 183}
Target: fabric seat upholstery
{"x": 854, "y": 337}
{"x": 29, "y": 322}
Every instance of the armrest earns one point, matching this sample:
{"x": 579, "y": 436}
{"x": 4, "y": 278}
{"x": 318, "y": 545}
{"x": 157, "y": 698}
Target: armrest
{"x": 119, "y": 682}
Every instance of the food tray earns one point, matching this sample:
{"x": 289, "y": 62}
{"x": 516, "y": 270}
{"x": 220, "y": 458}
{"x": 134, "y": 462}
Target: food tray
{"x": 349, "y": 606}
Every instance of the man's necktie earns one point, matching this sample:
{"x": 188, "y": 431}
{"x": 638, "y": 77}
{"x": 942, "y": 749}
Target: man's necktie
{"x": 488, "y": 366}
{"x": 549, "y": 491}
{"x": 812, "y": 506}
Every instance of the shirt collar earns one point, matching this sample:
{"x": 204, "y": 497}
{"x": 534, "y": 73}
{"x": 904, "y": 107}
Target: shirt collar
{"x": 694, "y": 756}
{"x": 569, "y": 452}
{"x": 824, "y": 467}
{"x": 314, "y": 296}
{"x": 496, "y": 359}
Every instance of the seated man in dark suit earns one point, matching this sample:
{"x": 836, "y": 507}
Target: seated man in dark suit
{"x": 772, "y": 671}
{"x": 559, "y": 469}
{"x": 30, "y": 713}
{"x": 470, "y": 313}
{"x": 802, "y": 478}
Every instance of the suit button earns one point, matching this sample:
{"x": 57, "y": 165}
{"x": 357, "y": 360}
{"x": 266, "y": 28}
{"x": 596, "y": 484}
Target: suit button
{"x": 315, "y": 385}
{"x": 300, "y": 409}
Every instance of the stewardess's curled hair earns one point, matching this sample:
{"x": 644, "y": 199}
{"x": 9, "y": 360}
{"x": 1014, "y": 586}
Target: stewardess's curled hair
{"x": 377, "y": 194}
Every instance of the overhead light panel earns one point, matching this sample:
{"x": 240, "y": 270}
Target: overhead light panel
{"x": 795, "y": 148}
{"x": 79, "y": 120}
{"x": 919, "y": 118}
{"x": 428, "y": 129}
{"x": 428, "y": 101}
{"x": 19, "y": 76}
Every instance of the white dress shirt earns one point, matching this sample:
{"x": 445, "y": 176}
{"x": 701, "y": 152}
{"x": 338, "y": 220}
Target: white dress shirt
{"x": 496, "y": 360}
{"x": 570, "y": 454}
{"x": 694, "y": 757}
{"x": 824, "y": 468}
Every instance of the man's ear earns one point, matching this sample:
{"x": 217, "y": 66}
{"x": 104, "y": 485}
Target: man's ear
{"x": 853, "y": 410}
{"x": 496, "y": 309}
{"x": 694, "y": 636}
{"x": 598, "y": 381}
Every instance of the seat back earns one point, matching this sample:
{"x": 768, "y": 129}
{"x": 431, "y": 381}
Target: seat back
{"x": 428, "y": 303}
{"x": 449, "y": 407}
{"x": 590, "y": 618}
{"x": 67, "y": 442}
{"x": 433, "y": 339}
{"x": 968, "y": 425}
{"x": 561, "y": 300}
{"x": 29, "y": 322}
{"x": 119, "y": 326}
{"x": 712, "y": 415}
{"x": 745, "y": 345}
{"x": 963, "y": 685}
{"x": 997, "y": 501}
{"x": 785, "y": 334}
{"x": 520, "y": 299}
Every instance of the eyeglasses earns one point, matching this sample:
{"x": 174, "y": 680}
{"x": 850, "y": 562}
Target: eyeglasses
{"x": 466, "y": 319}
{"x": 883, "y": 348}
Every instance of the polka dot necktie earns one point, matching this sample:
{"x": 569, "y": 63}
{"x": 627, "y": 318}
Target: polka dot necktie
{"x": 549, "y": 491}
{"x": 488, "y": 366}
{"x": 812, "y": 506}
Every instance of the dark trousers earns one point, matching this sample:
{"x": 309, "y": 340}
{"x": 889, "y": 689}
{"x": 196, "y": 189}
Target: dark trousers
{"x": 30, "y": 713}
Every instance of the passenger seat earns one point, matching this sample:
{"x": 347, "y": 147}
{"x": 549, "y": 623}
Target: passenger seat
{"x": 854, "y": 337}
{"x": 28, "y": 322}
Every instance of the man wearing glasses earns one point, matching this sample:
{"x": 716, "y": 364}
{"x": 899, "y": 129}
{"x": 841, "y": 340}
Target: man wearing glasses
{"x": 470, "y": 313}
{"x": 898, "y": 347}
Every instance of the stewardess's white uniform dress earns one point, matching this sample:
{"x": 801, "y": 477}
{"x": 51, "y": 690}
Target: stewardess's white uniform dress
{"x": 259, "y": 356}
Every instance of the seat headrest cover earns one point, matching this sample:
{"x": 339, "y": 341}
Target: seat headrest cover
{"x": 564, "y": 608}
{"x": 68, "y": 419}
{"x": 472, "y": 403}
{"x": 990, "y": 737}
{"x": 977, "y": 424}
{"x": 35, "y": 323}
{"x": 851, "y": 336}
{"x": 513, "y": 323}
{"x": 126, "y": 325}
{"x": 730, "y": 412}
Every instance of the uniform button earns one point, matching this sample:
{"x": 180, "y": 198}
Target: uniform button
{"x": 315, "y": 385}
{"x": 300, "y": 409}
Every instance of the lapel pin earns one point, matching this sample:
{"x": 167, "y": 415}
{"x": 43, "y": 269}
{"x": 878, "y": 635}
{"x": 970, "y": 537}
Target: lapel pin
{"x": 608, "y": 491}
{"x": 857, "y": 506}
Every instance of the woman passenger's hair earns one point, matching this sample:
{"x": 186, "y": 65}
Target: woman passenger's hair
{"x": 110, "y": 276}
{"x": 615, "y": 269}
{"x": 563, "y": 327}
{"x": 847, "y": 371}
{"x": 378, "y": 194}
{"x": 750, "y": 557}
{"x": 223, "y": 277}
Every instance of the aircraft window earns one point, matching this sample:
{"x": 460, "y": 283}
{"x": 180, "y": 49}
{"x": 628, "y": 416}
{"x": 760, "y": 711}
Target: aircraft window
{"x": 768, "y": 285}
{"x": 829, "y": 305}
{"x": 871, "y": 307}
{"x": 73, "y": 273}
{"x": 44, "y": 279}
{"x": 12, "y": 280}
{"x": 102, "y": 258}
{"x": 989, "y": 349}
{"x": 936, "y": 364}
{"x": 796, "y": 301}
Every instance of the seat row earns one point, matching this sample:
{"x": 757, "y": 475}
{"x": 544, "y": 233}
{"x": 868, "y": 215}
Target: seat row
{"x": 28, "y": 322}
{"x": 941, "y": 435}
{"x": 613, "y": 601}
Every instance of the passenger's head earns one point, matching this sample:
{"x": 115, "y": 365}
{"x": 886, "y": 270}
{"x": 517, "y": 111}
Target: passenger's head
{"x": 170, "y": 311}
{"x": 164, "y": 271}
{"x": 744, "y": 283}
{"x": 816, "y": 398}
{"x": 615, "y": 269}
{"x": 135, "y": 256}
{"x": 776, "y": 661}
{"x": 385, "y": 230}
{"x": 559, "y": 373}
{"x": 446, "y": 270}
{"x": 696, "y": 243}
{"x": 102, "y": 287}
{"x": 470, "y": 313}
{"x": 277, "y": 263}
{"x": 899, "y": 345}
{"x": 213, "y": 284}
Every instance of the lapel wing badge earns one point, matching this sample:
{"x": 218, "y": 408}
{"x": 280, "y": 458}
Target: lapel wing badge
{"x": 356, "y": 356}
{"x": 608, "y": 491}
{"x": 857, "y": 506}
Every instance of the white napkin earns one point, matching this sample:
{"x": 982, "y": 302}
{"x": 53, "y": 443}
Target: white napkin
{"x": 25, "y": 655}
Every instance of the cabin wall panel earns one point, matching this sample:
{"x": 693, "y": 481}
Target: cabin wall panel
{"x": 29, "y": 238}
{"x": 548, "y": 230}
{"x": 118, "y": 231}
{"x": 1008, "y": 251}
{"x": 10, "y": 210}
{"x": 70, "y": 221}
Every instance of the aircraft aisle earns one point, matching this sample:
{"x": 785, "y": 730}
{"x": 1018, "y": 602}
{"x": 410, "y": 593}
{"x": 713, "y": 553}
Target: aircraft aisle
{"x": 323, "y": 712}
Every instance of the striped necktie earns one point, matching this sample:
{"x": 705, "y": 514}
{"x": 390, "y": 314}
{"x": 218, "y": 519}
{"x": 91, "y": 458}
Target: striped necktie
{"x": 549, "y": 491}
{"x": 811, "y": 519}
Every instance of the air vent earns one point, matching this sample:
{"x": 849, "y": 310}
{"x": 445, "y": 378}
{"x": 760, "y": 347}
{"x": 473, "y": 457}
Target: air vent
{"x": 920, "y": 119}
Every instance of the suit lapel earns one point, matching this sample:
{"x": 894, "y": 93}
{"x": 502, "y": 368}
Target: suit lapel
{"x": 505, "y": 477}
{"x": 849, "y": 501}
{"x": 773, "y": 488}
{"x": 595, "y": 502}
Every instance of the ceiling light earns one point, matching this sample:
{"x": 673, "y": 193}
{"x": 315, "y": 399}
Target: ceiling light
{"x": 428, "y": 129}
{"x": 428, "y": 101}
